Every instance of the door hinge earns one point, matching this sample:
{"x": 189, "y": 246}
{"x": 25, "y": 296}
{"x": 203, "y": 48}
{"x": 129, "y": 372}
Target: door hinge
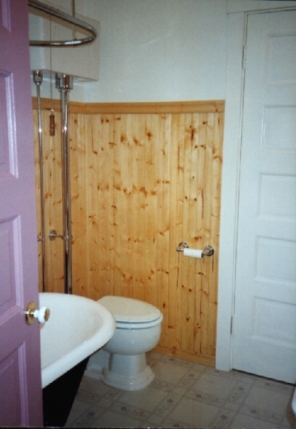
{"x": 231, "y": 325}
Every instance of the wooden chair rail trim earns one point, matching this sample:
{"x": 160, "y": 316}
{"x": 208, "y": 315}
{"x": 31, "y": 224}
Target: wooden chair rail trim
{"x": 207, "y": 106}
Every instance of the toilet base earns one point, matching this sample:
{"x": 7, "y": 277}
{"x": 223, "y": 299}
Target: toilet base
{"x": 127, "y": 372}
{"x": 136, "y": 382}
{"x": 96, "y": 363}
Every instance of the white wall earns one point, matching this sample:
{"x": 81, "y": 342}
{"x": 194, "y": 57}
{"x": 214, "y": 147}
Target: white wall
{"x": 159, "y": 50}
{"x": 156, "y": 50}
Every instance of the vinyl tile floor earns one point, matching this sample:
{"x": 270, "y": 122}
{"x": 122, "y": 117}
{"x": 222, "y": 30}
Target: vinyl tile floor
{"x": 186, "y": 395}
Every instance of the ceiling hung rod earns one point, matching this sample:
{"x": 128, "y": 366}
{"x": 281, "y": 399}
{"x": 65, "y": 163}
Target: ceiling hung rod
{"x": 64, "y": 84}
{"x": 38, "y": 79}
{"x": 67, "y": 18}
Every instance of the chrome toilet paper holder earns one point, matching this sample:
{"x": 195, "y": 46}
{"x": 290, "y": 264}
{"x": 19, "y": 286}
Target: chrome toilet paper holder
{"x": 207, "y": 251}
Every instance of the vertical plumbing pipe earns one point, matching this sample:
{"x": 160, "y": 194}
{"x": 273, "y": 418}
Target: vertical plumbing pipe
{"x": 38, "y": 79}
{"x": 64, "y": 84}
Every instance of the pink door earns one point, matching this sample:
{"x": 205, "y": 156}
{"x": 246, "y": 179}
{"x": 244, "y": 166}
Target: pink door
{"x": 20, "y": 373}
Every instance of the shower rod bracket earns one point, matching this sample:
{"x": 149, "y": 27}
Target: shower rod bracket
{"x": 64, "y": 82}
{"x": 53, "y": 235}
{"x": 37, "y": 77}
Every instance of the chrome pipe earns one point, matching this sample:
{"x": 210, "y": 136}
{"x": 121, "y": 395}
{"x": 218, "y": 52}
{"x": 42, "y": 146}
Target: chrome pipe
{"x": 64, "y": 84}
{"x": 38, "y": 79}
{"x": 67, "y": 18}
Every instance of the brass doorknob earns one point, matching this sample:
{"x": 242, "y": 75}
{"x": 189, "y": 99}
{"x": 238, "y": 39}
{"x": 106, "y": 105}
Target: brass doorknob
{"x": 42, "y": 315}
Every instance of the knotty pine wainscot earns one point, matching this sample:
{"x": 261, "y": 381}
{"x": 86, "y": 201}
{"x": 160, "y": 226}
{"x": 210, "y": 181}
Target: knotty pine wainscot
{"x": 144, "y": 177}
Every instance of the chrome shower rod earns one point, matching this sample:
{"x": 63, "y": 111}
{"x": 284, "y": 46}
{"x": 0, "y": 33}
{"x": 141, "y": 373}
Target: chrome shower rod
{"x": 65, "y": 17}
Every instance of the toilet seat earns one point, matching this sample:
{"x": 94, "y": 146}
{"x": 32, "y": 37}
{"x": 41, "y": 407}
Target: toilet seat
{"x": 131, "y": 313}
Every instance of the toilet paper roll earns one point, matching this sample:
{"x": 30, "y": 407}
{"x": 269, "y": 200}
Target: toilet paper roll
{"x": 194, "y": 253}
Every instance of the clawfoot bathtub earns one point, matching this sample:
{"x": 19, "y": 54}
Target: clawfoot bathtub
{"x": 77, "y": 327}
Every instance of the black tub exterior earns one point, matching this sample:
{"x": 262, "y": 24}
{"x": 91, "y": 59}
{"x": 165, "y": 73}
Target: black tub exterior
{"x": 58, "y": 396}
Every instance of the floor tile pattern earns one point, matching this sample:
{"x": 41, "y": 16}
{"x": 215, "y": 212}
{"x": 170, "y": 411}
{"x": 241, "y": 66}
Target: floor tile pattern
{"x": 186, "y": 395}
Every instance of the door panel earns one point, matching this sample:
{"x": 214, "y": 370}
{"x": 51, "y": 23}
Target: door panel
{"x": 20, "y": 373}
{"x": 264, "y": 336}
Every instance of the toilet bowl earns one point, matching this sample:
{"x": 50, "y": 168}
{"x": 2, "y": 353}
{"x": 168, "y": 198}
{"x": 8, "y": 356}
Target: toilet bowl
{"x": 121, "y": 363}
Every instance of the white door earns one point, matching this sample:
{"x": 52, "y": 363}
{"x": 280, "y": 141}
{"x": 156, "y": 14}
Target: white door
{"x": 264, "y": 325}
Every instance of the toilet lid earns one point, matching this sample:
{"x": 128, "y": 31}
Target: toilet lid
{"x": 130, "y": 309}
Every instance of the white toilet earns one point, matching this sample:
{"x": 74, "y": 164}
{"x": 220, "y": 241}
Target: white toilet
{"x": 122, "y": 361}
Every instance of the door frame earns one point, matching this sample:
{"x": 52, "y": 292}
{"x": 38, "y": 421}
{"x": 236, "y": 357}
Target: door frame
{"x": 237, "y": 31}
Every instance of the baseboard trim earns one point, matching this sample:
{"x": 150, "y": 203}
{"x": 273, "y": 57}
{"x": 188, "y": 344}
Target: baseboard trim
{"x": 198, "y": 358}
